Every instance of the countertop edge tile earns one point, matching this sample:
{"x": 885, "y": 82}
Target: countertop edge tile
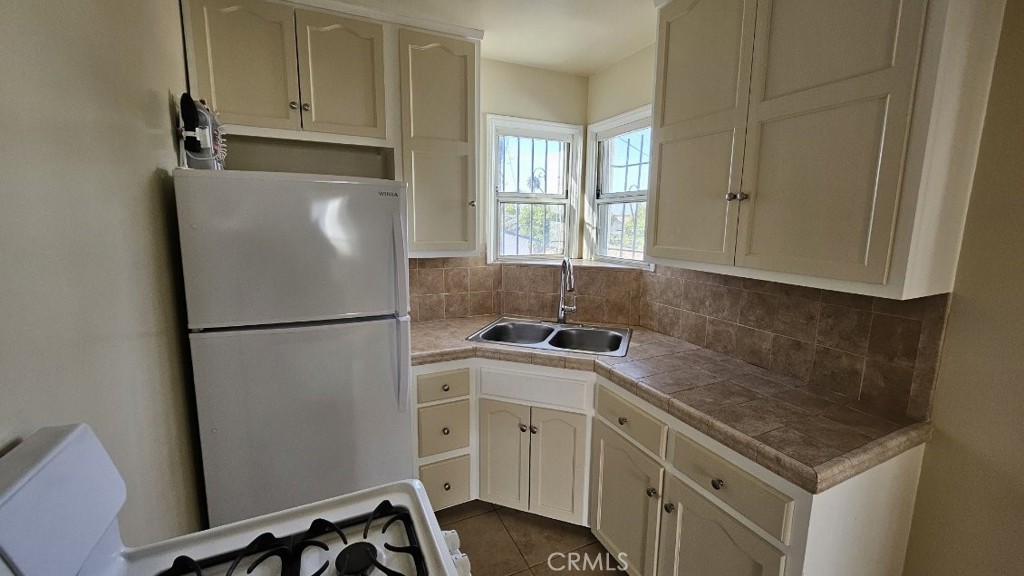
{"x": 815, "y": 479}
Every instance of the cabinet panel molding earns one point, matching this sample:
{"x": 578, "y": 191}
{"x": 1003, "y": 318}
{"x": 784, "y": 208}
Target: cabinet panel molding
{"x": 558, "y": 457}
{"x": 504, "y": 453}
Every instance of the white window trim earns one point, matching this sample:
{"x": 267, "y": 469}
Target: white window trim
{"x": 625, "y": 122}
{"x": 573, "y": 134}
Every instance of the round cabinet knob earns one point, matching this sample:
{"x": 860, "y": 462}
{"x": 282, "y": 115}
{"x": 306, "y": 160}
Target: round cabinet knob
{"x": 742, "y": 196}
{"x": 623, "y": 420}
{"x": 670, "y": 507}
{"x": 730, "y": 196}
{"x": 652, "y": 493}
{"x": 472, "y": 203}
{"x": 306, "y": 107}
{"x": 446, "y": 388}
{"x": 717, "y": 483}
{"x": 522, "y": 428}
{"x": 447, "y": 487}
{"x": 293, "y": 105}
{"x": 445, "y": 431}
{"x": 534, "y": 429}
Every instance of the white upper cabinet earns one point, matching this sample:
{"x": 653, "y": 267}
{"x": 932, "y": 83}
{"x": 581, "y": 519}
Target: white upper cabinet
{"x": 819, "y": 142}
{"x": 439, "y": 132}
{"x": 244, "y": 57}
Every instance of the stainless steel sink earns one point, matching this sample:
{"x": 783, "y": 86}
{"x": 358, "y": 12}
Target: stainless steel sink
{"x": 555, "y": 337}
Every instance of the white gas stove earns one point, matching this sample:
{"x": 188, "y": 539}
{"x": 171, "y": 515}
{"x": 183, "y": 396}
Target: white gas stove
{"x": 61, "y": 483}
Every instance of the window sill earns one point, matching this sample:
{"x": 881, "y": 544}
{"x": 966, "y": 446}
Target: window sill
{"x": 578, "y": 263}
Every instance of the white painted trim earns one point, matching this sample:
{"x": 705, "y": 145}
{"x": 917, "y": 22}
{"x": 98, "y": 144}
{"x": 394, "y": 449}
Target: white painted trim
{"x": 308, "y": 136}
{"x": 571, "y": 133}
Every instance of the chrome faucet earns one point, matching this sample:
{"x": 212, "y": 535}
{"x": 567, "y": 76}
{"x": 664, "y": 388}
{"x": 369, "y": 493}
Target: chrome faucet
{"x": 566, "y": 286}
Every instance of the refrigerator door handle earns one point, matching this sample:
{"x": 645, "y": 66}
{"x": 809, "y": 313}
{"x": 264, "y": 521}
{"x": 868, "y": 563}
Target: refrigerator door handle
{"x": 404, "y": 363}
{"x": 401, "y": 266}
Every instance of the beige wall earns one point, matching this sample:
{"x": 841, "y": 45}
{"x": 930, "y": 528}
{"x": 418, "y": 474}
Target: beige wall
{"x": 623, "y": 86}
{"x": 88, "y": 323}
{"x": 525, "y": 92}
{"x": 969, "y": 518}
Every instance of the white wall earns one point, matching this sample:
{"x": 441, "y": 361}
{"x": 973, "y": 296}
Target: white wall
{"x": 88, "y": 324}
{"x": 623, "y": 86}
{"x": 969, "y": 518}
{"x": 516, "y": 90}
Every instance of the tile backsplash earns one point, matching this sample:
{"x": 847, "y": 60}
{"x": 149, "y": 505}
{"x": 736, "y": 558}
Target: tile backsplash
{"x": 881, "y": 355}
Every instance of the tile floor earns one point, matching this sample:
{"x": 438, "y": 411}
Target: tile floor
{"x": 505, "y": 542}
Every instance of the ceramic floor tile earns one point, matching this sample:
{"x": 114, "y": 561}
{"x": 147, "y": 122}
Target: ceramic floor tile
{"x": 590, "y": 560}
{"x": 489, "y": 546}
{"x": 460, "y": 512}
{"x": 537, "y": 537}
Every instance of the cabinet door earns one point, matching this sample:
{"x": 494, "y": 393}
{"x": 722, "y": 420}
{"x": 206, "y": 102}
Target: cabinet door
{"x": 557, "y": 457}
{"x": 624, "y": 499}
{"x": 700, "y": 115}
{"x": 505, "y": 454}
{"x": 341, "y": 73}
{"x": 830, "y": 101}
{"x": 244, "y": 55}
{"x": 697, "y": 538}
{"x": 439, "y": 126}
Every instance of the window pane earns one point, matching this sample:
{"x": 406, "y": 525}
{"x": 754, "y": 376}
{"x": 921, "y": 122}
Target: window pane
{"x": 531, "y": 166}
{"x": 621, "y": 227}
{"x": 628, "y": 161}
{"x": 532, "y": 229}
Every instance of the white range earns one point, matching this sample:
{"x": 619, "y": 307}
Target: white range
{"x": 60, "y": 496}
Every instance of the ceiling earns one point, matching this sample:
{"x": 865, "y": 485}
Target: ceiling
{"x": 574, "y": 36}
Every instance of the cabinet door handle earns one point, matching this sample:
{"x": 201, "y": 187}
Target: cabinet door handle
{"x": 447, "y": 487}
{"x": 717, "y": 483}
{"x": 652, "y": 493}
{"x": 445, "y": 431}
{"x": 623, "y": 420}
{"x": 306, "y": 107}
{"x": 534, "y": 429}
{"x": 446, "y": 388}
{"x": 670, "y": 507}
{"x": 293, "y": 105}
{"x": 522, "y": 428}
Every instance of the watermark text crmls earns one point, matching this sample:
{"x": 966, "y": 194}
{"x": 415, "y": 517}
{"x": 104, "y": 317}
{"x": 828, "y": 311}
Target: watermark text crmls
{"x": 580, "y": 562}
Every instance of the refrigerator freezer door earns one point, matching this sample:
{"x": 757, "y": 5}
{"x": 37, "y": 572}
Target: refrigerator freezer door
{"x": 292, "y": 416}
{"x": 261, "y": 248}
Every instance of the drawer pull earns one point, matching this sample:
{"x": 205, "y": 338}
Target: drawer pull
{"x": 446, "y": 388}
{"x": 623, "y": 420}
{"x": 717, "y": 483}
{"x": 670, "y": 507}
{"x": 522, "y": 428}
{"x": 446, "y": 431}
{"x": 652, "y": 493}
{"x": 447, "y": 487}
{"x": 534, "y": 429}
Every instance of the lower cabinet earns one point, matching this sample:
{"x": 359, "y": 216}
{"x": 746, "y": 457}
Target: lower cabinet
{"x": 533, "y": 459}
{"x": 624, "y": 500}
{"x": 446, "y": 482}
{"x": 697, "y": 538}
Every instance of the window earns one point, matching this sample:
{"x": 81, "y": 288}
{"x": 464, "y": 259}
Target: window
{"x": 619, "y": 170}
{"x": 534, "y": 180}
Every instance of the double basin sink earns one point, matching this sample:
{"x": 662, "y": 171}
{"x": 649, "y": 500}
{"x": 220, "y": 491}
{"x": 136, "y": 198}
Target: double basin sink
{"x": 555, "y": 337}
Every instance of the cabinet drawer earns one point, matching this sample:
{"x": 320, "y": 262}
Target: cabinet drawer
{"x": 443, "y": 385}
{"x": 762, "y": 504}
{"x": 632, "y": 421}
{"x": 447, "y": 482}
{"x": 443, "y": 427}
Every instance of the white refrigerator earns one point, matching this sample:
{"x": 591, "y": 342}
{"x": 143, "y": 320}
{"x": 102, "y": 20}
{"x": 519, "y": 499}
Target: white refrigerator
{"x": 297, "y": 298}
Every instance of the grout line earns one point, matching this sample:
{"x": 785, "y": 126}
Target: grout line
{"x": 512, "y": 538}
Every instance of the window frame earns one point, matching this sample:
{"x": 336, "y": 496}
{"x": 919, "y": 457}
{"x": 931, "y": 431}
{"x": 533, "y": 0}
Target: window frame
{"x": 596, "y": 133}
{"x": 572, "y": 135}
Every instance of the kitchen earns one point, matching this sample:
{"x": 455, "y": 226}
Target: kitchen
{"x": 93, "y": 304}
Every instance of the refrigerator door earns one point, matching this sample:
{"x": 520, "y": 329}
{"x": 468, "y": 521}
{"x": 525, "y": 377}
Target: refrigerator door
{"x": 268, "y": 248}
{"x": 292, "y": 416}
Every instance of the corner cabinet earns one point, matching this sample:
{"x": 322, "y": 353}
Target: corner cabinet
{"x": 819, "y": 142}
{"x": 270, "y": 65}
{"x": 439, "y": 131}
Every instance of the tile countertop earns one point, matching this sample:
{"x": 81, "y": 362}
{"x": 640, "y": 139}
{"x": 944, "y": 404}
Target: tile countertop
{"x": 808, "y": 436}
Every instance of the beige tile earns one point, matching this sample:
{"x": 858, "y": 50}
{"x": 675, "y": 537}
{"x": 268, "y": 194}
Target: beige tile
{"x": 797, "y": 318}
{"x": 848, "y": 300}
{"x": 742, "y": 443}
{"x": 694, "y": 298}
{"x": 481, "y": 303}
{"x": 830, "y": 433}
{"x": 654, "y": 396}
{"x": 689, "y": 415}
{"x": 759, "y": 384}
{"x": 864, "y": 423}
{"x": 549, "y": 360}
{"x": 490, "y": 547}
{"x": 802, "y": 292}
{"x": 681, "y": 379}
{"x": 894, "y": 339}
{"x": 428, "y": 281}
{"x": 590, "y": 560}
{"x": 754, "y": 346}
{"x": 845, "y": 329}
{"x": 788, "y": 467}
{"x": 461, "y": 512}
{"x": 692, "y": 328}
{"x": 481, "y": 278}
{"x": 757, "y": 310}
{"x": 431, "y": 263}
{"x": 579, "y": 363}
{"x": 763, "y": 286}
{"x": 721, "y": 336}
{"x": 716, "y": 396}
{"x": 792, "y": 357}
{"x": 747, "y": 419}
{"x": 885, "y": 390}
{"x": 537, "y": 537}
{"x": 456, "y": 280}
{"x": 430, "y": 306}
{"x": 916, "y": 308}
{"x": 724, "y": 302}
{"x": 803, "y": 448}
{"x": 458, "y": 262}
{"x": 837, "y": 371}
{"x": 456, "y": 305}
{"x": 804, "y": 400}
